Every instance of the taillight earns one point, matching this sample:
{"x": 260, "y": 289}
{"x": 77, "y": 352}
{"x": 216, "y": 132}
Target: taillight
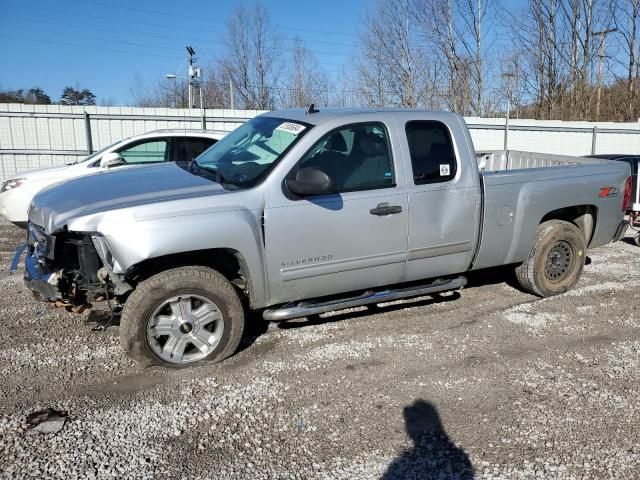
{"x": 627, "y": 194}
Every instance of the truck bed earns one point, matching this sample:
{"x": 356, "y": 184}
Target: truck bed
{"x": 520, "y": 188}
{"x": 499, "y": 160}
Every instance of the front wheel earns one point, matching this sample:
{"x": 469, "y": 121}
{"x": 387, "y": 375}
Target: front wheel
{"x": 182, "y": 316}
{"x": 555, "y": 261}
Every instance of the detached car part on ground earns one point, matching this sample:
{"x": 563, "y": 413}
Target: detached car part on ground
{"x": 298, "y": 213}
{"x": 140, "y": 150}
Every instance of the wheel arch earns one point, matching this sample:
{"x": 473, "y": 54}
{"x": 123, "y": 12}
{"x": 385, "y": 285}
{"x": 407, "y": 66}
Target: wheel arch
{"x": 585, "y": 217}
{"x": 533, "y": 274}
{"x": 228, "y": 262}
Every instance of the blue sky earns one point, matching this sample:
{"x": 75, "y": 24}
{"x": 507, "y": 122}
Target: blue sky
{"x": 104, "y": 45}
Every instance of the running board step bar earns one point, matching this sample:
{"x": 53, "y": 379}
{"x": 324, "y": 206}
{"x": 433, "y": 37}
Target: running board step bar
{"x": 303, "y": 309}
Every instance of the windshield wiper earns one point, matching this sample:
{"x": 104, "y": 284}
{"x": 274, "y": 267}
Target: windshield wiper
{"x": 216, "y": 173}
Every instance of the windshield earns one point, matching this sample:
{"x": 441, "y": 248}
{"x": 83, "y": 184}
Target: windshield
{"x": 246, "y": 155}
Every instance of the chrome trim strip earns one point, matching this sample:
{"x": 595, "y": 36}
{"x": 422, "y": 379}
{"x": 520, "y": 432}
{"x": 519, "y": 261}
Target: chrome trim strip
{"x": 438, "y": 250}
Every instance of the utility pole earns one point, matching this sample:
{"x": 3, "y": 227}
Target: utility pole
{"x": 194, "y": 72}
{"x": 231, "y": 94}
{"x": 191, "y": 53}
{"x": 601, "y": 53}
{"x": 517, "y": 88}
{"x": 479, "y": 57}
{"x": 508, "y": 76}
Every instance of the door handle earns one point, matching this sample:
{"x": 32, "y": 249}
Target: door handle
{"x": 385, "y": 209}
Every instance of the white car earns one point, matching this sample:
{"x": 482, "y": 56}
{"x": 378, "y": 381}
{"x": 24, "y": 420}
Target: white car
{"x": 149, "y": 148}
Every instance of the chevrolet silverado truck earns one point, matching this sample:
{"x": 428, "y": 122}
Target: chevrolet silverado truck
{"x": 297, "y": 213}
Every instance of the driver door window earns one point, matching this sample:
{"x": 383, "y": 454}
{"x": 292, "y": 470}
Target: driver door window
{"x": 153, "y": 151}
{"x": 357, "y": 157}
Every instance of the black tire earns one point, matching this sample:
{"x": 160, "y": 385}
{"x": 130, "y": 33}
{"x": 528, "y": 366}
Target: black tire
{"x": 151, "y": 293}
{"x": 556, "y": 259}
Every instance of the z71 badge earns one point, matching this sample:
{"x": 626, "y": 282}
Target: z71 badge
{"x": 608, "y": 192}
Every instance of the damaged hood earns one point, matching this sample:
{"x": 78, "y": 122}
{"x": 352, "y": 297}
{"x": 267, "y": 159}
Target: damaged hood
{"x": 54, "y": 207}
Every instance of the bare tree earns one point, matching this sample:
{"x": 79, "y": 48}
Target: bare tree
{"x": 564, "y": 59}
{"x": 512, "y": 86}
{"x": 344, "y": 94}
{"x": 252, "y": 63}
{"x": 307, "y": 82}
{"x": 476, "y": 18}
{"x": 535, "y": 33}
{"x": 371, "y": 82}
{"x": 391, "y": 69}
{"x": 215, "y": 87}
{"x": 563, "y": 44}
{"x": 160, "y": 93}
{"x": 437, "y": 20}
{"x": 573, "y": 14}
{"x": 625, "y": 15}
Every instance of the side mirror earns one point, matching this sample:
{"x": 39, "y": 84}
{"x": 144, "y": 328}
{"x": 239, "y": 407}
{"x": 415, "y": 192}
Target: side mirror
{"x": 310, "y": 181}
{"x": 111, "y": 159}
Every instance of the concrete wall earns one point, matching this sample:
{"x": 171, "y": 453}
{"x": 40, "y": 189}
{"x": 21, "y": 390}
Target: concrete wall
{"x": 38, "y": 136}
{"x": 554, "y": 136}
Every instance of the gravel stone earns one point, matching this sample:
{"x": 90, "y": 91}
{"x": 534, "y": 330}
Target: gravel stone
{"x": 492, "y": 383}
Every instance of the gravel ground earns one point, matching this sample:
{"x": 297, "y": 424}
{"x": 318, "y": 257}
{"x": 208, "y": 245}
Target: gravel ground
{"x": 492, "y": 383}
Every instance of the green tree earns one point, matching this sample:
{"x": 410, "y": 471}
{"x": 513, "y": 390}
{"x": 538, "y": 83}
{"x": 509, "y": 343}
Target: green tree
{"x": 75, "y": 96}
{"x": 12, "y": 96}
{"x": 36, "y": 96}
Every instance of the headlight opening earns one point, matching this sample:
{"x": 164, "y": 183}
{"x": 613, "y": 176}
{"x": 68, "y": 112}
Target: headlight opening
{"x": 11, "y": 184}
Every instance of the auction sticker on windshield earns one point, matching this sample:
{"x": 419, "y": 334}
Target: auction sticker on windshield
{"x": 290, "y": 127}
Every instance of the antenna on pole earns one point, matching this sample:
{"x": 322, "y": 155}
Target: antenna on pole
{"x": 191, "y": 53}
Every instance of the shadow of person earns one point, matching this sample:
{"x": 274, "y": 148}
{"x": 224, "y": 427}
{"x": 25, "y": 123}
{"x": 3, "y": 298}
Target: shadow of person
{"x": 433, "y": 454}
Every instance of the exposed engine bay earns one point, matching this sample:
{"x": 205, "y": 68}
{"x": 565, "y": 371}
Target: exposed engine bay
{"x": 70, "y": 269}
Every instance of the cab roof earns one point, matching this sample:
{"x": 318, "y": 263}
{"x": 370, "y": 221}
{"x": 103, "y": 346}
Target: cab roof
{"x": 324, "y": 114}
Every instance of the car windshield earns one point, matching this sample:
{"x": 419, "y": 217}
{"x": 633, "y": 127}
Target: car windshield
{"x": 245, "y": 156}
{"x": 95, "y": 154}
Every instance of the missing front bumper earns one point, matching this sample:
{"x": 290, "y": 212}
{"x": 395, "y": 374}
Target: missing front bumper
{"x": 45, "y": 285}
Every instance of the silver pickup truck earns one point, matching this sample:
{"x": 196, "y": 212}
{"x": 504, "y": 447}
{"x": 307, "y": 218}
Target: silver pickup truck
{"x": 302, "y": 212}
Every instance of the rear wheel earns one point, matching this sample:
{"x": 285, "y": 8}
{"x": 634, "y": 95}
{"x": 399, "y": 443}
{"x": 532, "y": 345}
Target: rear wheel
{"x": 182, "y": 316}
{"x": 555, "y": 261}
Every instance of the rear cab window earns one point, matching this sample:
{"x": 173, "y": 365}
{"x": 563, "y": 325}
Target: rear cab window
{"x": 433, "y": 158}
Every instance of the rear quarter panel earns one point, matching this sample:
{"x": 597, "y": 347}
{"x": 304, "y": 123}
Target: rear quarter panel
{"x": 516, "y": 201}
